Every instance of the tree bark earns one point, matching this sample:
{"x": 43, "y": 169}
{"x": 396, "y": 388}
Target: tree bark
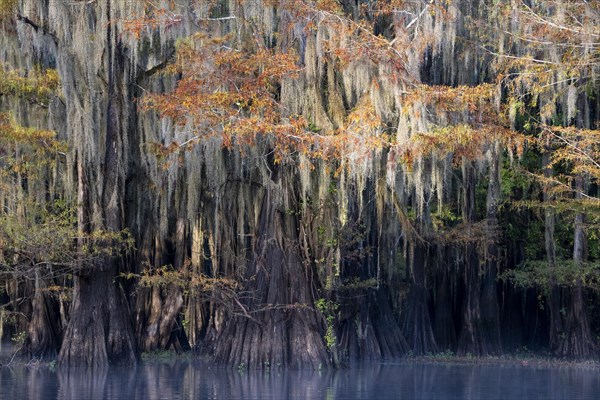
{"x": 471, "y": 339}
{"x": 576, "y": 340}
{"x": 443, "y": 323}
{"x": 490, "y": 315}
{"x": 163, "y": 307}
{"x": 555, "y": 299}
{"x": 158, "y": 308}
{"x": 100, "y": 331}
{"x": 416, "y": 323}
{"x": 281, "y": 327}
{"x": 44, "y": 334}
{"x": 369, "y": 328}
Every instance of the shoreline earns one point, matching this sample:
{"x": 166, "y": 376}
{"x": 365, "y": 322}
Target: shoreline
{"x": 509, "y": 359}
{"x": 529, "y": 360}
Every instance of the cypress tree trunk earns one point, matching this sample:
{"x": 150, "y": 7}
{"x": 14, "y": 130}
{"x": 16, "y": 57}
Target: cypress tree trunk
{"x": 100, "y": 330}
{"x": 158, "y": 308}
{"x": 444, "y": 326}
{"x": 369, "y": 328}
{"x": 576, "y": 340}
{"x": 555, "y": 300}
{"x": 44, "y": 333}
{"x": 161, "y": 308}
{"x": 281, "y": 327}
{"x": 471, "y": 340}
{"x": 388, "y": 335}
{"x": 416, "y": 323}
{"x": 490, "y": 315}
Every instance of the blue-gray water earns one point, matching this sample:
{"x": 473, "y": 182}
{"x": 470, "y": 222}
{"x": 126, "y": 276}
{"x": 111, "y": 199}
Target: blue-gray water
{"x": 186, "y": 380}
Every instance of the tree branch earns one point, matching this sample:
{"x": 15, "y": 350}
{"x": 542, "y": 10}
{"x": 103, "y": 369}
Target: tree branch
{"x": 162, "y": 65}
{"x": 36, "y": 27}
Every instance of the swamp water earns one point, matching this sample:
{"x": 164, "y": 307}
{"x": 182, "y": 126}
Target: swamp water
{"x": 180, "y": 379}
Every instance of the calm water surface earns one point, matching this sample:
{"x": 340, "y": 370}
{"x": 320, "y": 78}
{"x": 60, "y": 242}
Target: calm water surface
{"x": 189, "y": 380}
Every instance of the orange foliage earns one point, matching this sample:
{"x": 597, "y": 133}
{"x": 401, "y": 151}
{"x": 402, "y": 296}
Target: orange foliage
{"x": 231, "y": 90}
{"x": 154, "y": 17}
{"x": 577, "y": 148}
{"x": 229, "y": 93}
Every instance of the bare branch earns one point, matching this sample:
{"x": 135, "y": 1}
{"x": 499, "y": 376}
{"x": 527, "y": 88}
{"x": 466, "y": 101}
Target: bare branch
{"x": 36, "y": 27}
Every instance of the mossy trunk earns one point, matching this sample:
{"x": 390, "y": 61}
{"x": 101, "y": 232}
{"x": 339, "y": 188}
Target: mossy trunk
{"x": 416, "y": 322}
{"x": 576, "y": 338}
{"x": 443, "y": 322}
{"x": 44, "y": 333}
{"x": 471, "y": 339}
{"x": 490, "y": 314}
{"x": 365, "y": 273}
{"x": 158, "y": 323}
{"x": 99, "y": 331}
{"x": 554, "y": 299}
{"x": 158, "y": 308}
{"x": 278, "y": 325}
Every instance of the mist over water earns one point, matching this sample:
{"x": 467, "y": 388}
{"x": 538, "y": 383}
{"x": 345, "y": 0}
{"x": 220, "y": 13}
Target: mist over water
{"x": 193, "y": 380}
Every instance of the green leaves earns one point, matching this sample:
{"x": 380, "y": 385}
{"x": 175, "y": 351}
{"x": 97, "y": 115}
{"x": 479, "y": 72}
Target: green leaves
{"x": 38, "y": 86}
{"x": 48, "y": 237}
{"x": 565, "y": 273}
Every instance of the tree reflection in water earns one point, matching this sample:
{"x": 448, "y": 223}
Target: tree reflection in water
{"x": 193, "y": 380}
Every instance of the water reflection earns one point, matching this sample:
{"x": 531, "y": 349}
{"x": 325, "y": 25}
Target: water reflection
{"x": 189, "y": 380}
